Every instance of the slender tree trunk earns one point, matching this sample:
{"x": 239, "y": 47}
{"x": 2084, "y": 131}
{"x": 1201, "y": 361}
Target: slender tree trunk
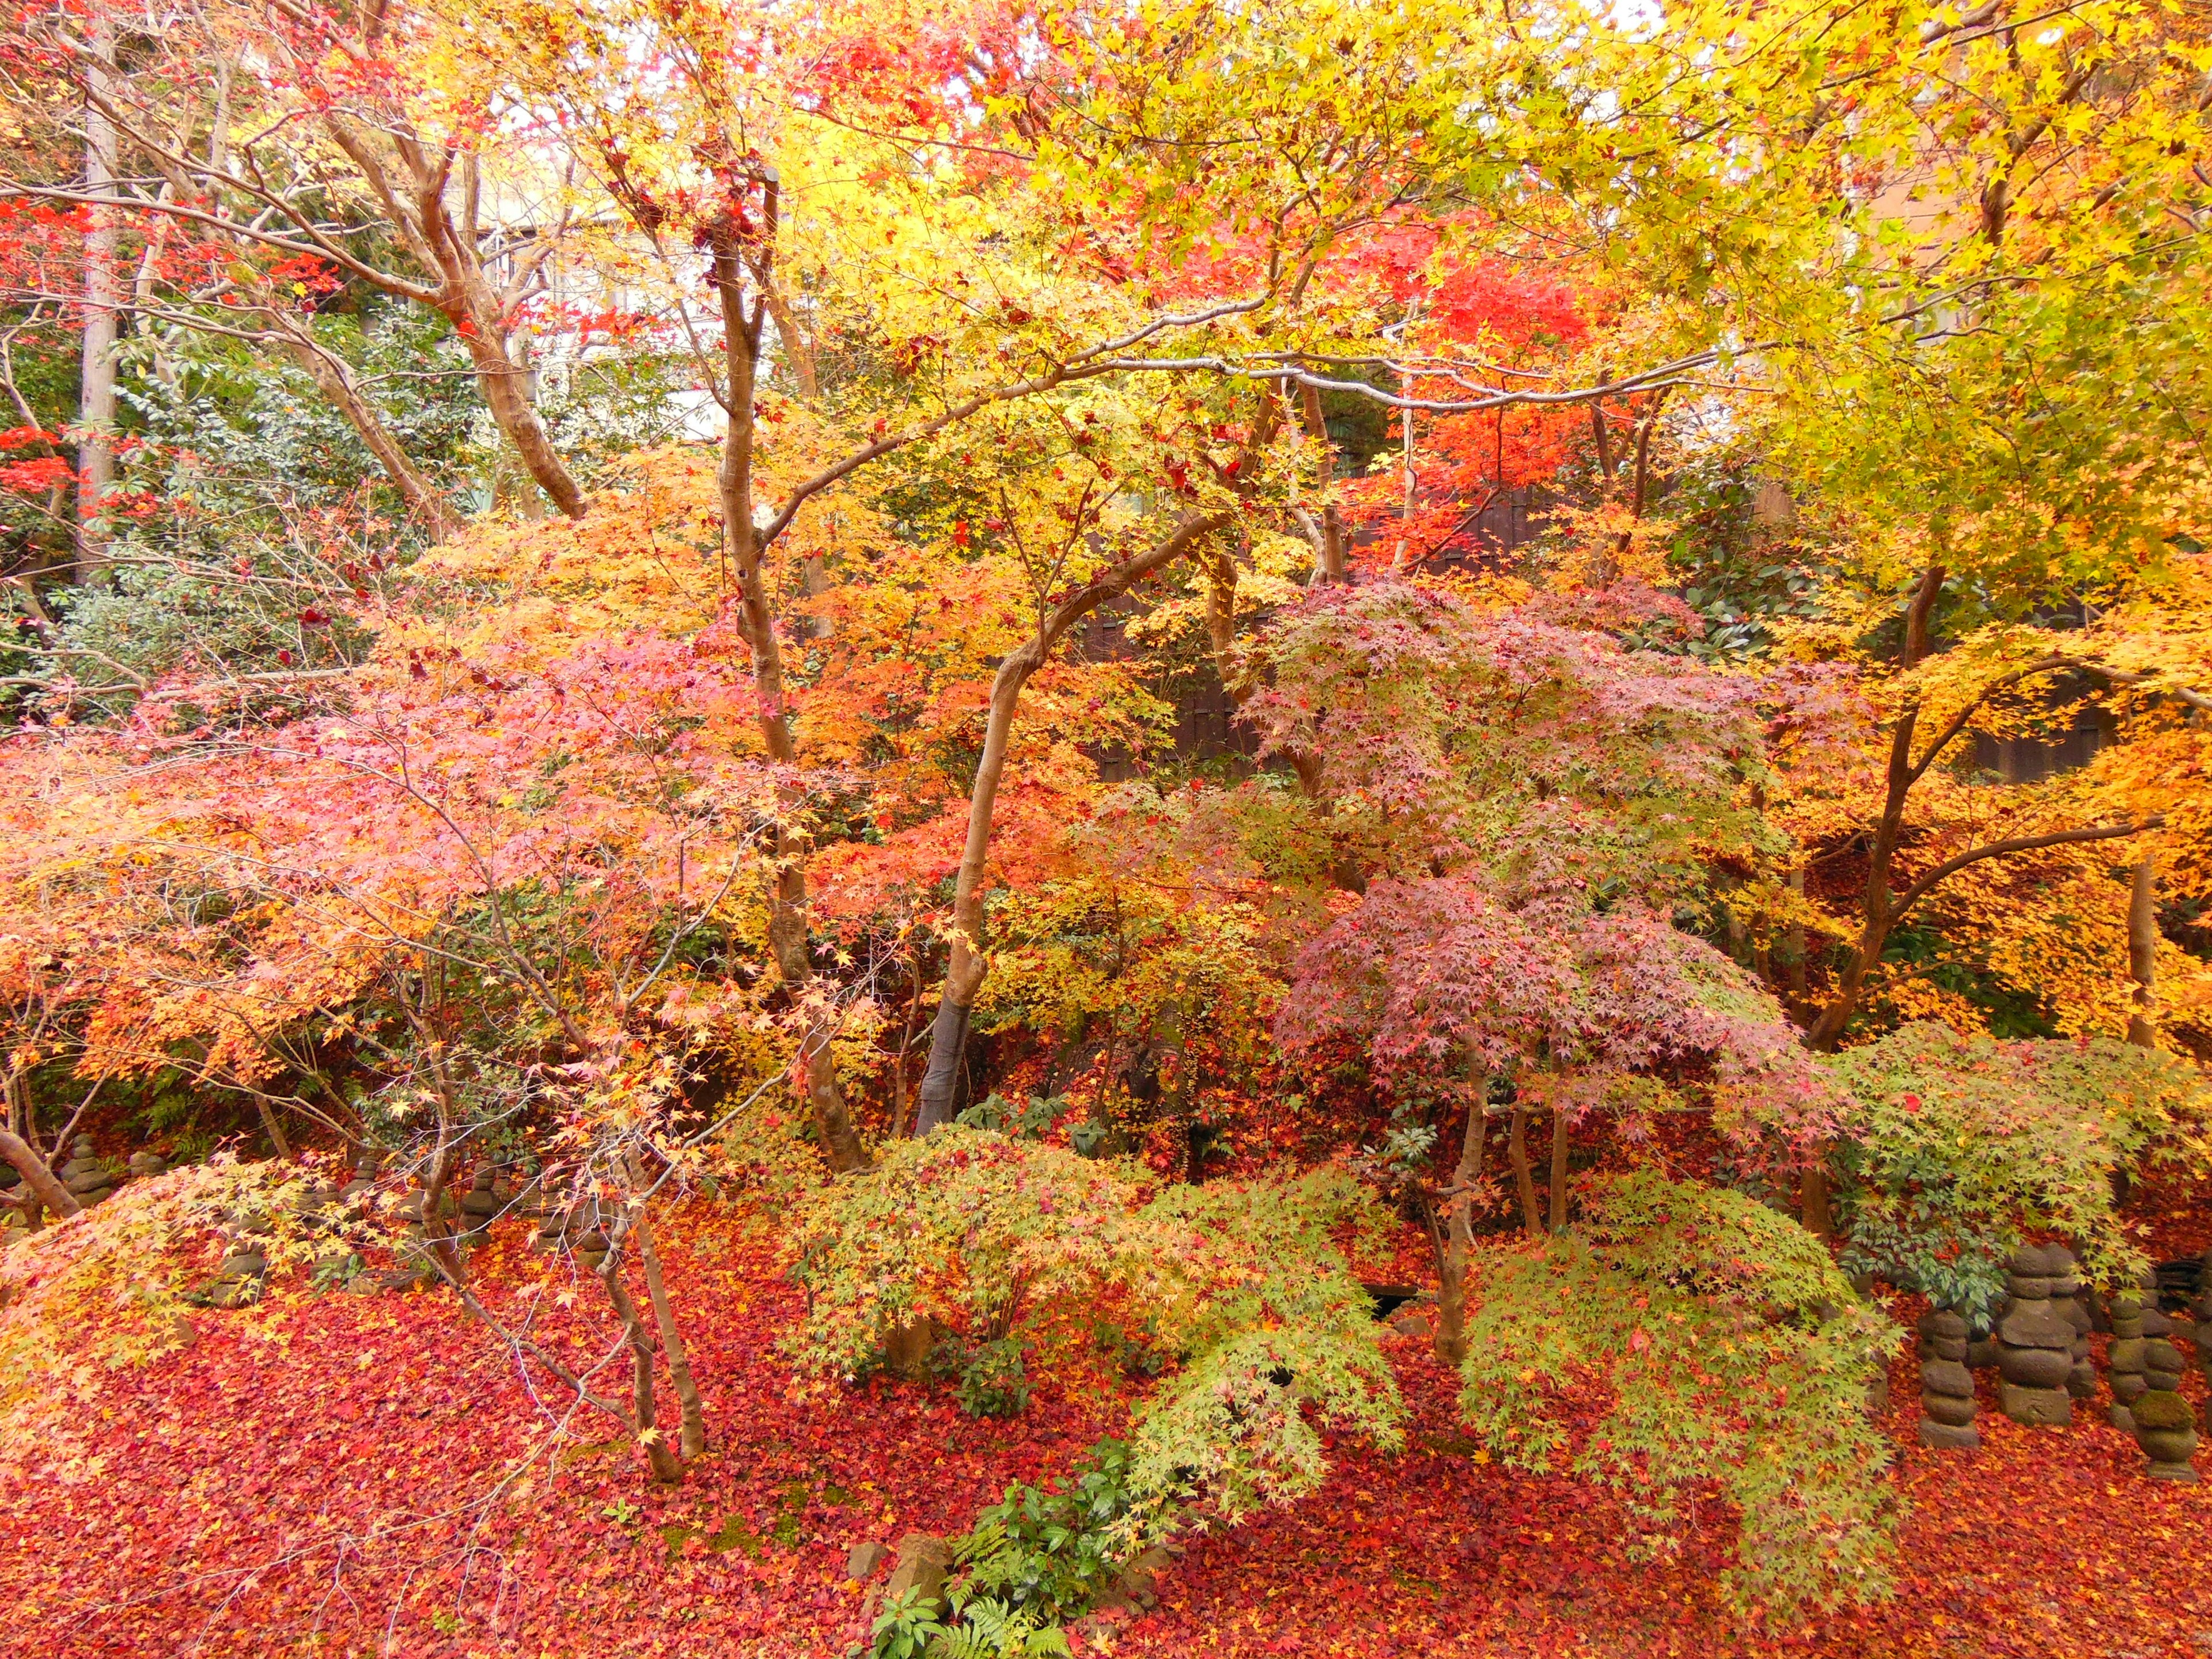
{"x": 1794, "y": 943}
{"x": 657, "y": 1456}
{"x": 967, "y": 964}
{"x": 103, "y": 298}
{"x": 1919, "y": 616}
{"x": 1559, "y": 1170}
{"x": 1332, "y": 567}
{"x": 672, "y": 1339}
{"x": 42, "y": 1180}
{"x": 2142, "y": 954}
{"x": 1459, "y": 1247}
{"x": 334, "y": 378}
{"x": 1516, "y": 1149}
{"x": 277, "y": 1141}
{"x": 787, "y": 926}
{"x": 798, "y": 349}
{"x": 505, "y": 386}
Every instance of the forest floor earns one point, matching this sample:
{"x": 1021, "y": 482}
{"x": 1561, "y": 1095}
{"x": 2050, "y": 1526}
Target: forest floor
{"x": 319, "y": 1476}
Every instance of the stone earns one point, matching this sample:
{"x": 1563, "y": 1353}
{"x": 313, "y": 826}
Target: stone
{"x": 924, "y": 1561}
{"x": 862, "y": 1560}
{"x": 1948, "y": 1411}
{"x": 2038, "y": 1408}
{"x": 2036, "y": 1342}
{"x": 144, "y": 1166}
{"x": 1942, "y": 1335}
{"x": 2035, "y": 1368}
{"x": 1940, "y": 1437}
{"x": 480, "y": 1206}
{"x": 2166, "y": 1430}
{"x": 1947, "y": 1377}
{"x": 906, "y": 1349}
{"x": 1981, "y": 1353}
{"x": 2031, "y": 1325}
{"x": 1139, "y": 1580}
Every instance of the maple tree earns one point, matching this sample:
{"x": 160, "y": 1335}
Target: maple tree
{"x": 1159, "y": 626}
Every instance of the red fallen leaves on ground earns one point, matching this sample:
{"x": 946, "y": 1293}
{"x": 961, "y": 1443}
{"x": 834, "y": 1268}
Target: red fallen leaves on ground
{"x": 329, "y": 1493}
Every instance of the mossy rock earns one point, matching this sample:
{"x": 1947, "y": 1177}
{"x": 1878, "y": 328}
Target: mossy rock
{"x": 2162, "y": 1409}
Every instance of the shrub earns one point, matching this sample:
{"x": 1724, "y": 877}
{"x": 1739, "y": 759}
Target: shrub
{"x": 1957, "y": 1144}
{"x": 993, "y": 1382}
{"x": 1735, "y": 1354}
{"x": 1243, "y": 1283}
{"x": 965, "y": 1227}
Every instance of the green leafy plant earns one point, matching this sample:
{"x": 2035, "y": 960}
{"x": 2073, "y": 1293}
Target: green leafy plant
{"x": 1051, "y": 1552}
{"x": 1737, "y": 1359}
{"x": 1025, "y": 1122}
{"x": 907, "y": 1627}
{"x": 1956, "y": 1144}
{"x": 993, "y": 1383}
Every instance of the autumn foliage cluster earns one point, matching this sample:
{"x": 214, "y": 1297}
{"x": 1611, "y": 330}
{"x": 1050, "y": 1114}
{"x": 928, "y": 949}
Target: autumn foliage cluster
{"x": 1060, "y": 785}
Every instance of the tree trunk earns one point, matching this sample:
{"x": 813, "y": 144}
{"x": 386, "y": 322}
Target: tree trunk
{"x": 1919, "y": 616}
{"x": 505, "y": 387}
{"x": 2142, "y": 954}
{"x": 277, "y": 1141}
{"x": 1331, "y": 565}
{"x": 1459, "y": 1249}
{"x": 787, "y": 926}
{"x": 42, "y": 1180}
{"x": 672, "y": 1339}
{"x": 798, "y": 349}
{"x": 333, "y": 377}
{"x": 1559, "y": 1170}
{"x": 102, "y": 302}
{"x": 1827, "y": 1032}
{"x": 1794, "y": 943}
{"x": 1516, "y": 1148}
{"x": 965, "y": 970}
{"x": 663, "y": 1461}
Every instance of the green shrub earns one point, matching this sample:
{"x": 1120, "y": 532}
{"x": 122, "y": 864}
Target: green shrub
{"x": 1052, "y": 1552}
{"x": 1242, "y": 1284}
{"x": 1956, "y": 1143}
{"x": 1737, "y": 1357}
{"x": 993, "y": 1382}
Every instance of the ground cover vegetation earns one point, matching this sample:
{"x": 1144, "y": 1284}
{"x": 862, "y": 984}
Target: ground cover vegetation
{"x": 936, "y": 831}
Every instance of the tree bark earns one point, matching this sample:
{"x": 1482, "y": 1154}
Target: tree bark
{"x": 333, "y": 377}
{"x": 787, "y": 926}
{"x": 671, "y": 1340}
{"x": 1559, "y": 1170}
{"x": 1459, "y": 1249}
{"x": 1794, "y": 943}
{"x": 663, "y": 1461}
{"x": 1919, "y": 616}
{"x": 1331, "y": 567}
{"x": 42, "y": 1180}
{"x": 1516, "y": 1149}
{"x": 477, "y": 318}
{"x": 2142, "y": 954}
{"x": 965, "y": 972}
{"x": 102, "y": 310}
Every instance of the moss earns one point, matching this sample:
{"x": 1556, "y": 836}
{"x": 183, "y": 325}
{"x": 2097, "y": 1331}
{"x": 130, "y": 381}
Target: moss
{"x": 2161, "y": 1409}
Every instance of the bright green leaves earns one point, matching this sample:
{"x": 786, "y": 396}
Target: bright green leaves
{"x": 1732, "y": 1352}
